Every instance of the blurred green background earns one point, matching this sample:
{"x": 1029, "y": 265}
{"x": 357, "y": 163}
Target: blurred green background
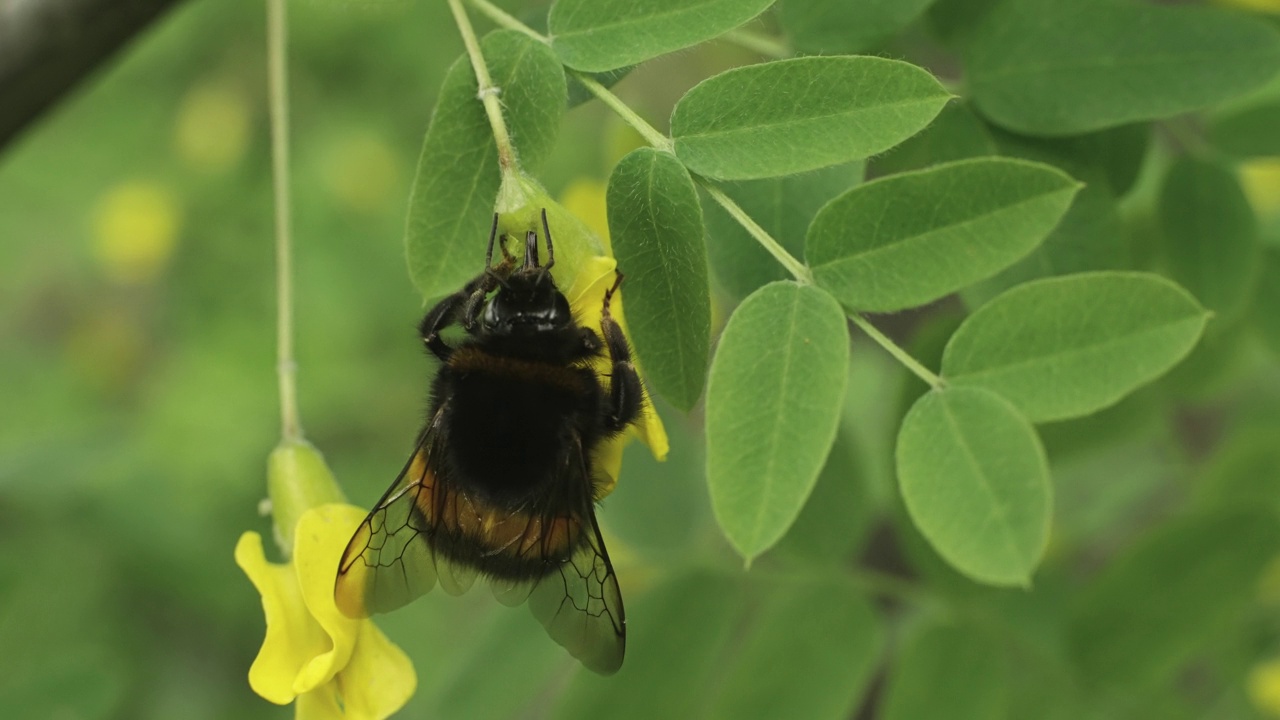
{"x": 137, "y": 327}
{"x": 139, "y": 404}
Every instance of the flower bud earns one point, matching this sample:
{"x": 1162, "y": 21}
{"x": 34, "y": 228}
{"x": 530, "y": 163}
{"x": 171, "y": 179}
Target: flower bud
{"x": 297, "y": 480}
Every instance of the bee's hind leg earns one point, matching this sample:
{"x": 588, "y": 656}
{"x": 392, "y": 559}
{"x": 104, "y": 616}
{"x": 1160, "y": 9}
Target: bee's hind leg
{"x": 625, "y": 390}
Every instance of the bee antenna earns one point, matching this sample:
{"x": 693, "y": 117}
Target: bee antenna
{"x": 546, "y": 230}
{"x": 493, "y": 233}
{"x": 531, "y": 249}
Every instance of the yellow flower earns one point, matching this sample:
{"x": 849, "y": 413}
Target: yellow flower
{"x": 335, "y": 667}
{"x": 332, "y": 666}
{"x": 1264, "y": 687}
{"x": 585, "y": 269}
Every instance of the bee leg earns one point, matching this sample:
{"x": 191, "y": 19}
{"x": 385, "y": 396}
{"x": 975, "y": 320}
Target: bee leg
{"x": 463, "y": 305}
{"x": 625, "y": 390}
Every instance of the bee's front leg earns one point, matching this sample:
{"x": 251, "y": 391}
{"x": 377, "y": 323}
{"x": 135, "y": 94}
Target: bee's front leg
{"x": 460, "y": 306}
{"x": 625, "y": 390}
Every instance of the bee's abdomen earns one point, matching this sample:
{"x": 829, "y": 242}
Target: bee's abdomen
{"x": 509, "y": 544}
{"x": 510, "y": 421}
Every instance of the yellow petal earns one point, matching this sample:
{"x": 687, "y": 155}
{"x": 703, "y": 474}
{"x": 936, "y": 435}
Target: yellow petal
{"x": 293, "y": 637}
{"x": 1264, "y": 687}
{"x": 322, "y": 535}
{"x": 586, "y": 297}
{"x": 323, "y": 703}
{"x": 379, "y": 680}
{"x": 585, "y": 199}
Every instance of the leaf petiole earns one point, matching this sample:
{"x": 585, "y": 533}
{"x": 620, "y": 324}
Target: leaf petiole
{"x": 487, "y": 92}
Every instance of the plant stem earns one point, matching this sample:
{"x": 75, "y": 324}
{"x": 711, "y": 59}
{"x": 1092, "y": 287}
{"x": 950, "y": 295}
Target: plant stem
{"x": 278, "y": 89}
{"x": 649, "y": 132}
{"x": 503, "y": 19}
{"x": 755, "y": 42}
{"x": 761, "y": 44}
{"x": 793, "y": 266}
{"x": 897, "y": 352}
{"x": 487, "y": 92}
{"x": 1185, "y": 138}
{"x": 876, "y": 582}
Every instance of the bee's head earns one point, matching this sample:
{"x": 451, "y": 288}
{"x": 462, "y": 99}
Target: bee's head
{"x": 528, "y": 301}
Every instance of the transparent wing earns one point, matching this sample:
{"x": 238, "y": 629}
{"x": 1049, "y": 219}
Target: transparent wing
{"x": 580, "y": 604}
{"x": 388, "y": 561}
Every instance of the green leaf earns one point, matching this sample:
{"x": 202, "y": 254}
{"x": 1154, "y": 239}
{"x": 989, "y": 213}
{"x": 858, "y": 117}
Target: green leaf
{"x": 676, "y": 637}
{"x": 1211, "y": 233}
{"x": 1248, "y": 132}
{"x": 976, "y": 483}
{"x": 948, "y": 671}
{"x": 1156, "y": 605}
{"x": 790, "y": 116}
{"x": 840, "y": 26}
{"x": 837, "y": 517}
{"x": 663, "y": 506}
{"x": 1266, "y": 304}
{"x": 1069, "y": 346}
{"x": 956, "y": 134}
{"x": 598, "y": 35}
{"x": 784, "y": 207}
{"x": 1217, "y": 362}
{"x": 1245, "y": 472}
{"x": 515, "y": 648}
{"x": 1047, "y": 67}
{"x": 1091, "y": 236}
{"x": 773, "y": 404}
{"x": 832, "y": 627}
{"x": 451, "y": 208}
{"x": 655, "y": 223}
{"x": 877, "y": 249}
{"x": 1111, "y": 158}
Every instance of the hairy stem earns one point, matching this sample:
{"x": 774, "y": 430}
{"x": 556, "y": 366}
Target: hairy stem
{"x": 896, "y": 351}
{"x": 788, "y": 261}
{"x": 758, "y": 43}
{"x": 765, "y": 46}
{"x": 487, "y": 92}
{"x": 278, "y": 89}
{"x": 649, "y": 132}
{"x": 506, "y": 20}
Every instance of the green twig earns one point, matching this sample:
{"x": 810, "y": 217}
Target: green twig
{"x": 1186, "y": 138}
{"x": 487, "y": 92}
{"x": 755, "y": 42}
{"x": 506, "y": 20}
{"x": 649, "y": 132}
{"x": 883, "y": 584}
{"x": 793, "y": 266}
{"x": 278, "y": 89}
{"x": 759, "y": 43}
{"x": 897, "y": 352}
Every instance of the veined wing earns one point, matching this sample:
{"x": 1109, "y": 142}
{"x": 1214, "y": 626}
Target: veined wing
{"x": 579, "y": 603}
{"x": 389, "y": 561}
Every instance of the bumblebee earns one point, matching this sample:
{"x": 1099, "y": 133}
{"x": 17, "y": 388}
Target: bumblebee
{"x": 501, "y": 483}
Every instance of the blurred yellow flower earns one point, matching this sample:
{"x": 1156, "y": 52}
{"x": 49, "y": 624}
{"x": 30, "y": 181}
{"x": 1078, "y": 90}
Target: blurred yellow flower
{"x": 333, "y": 666}
{"x": 1264, "y": 687}
{"x": 1270, "y": 6}
{"x": 585, "y": 200}
{"x": 212, "y": 129}
{"x": 135, "y": 229}
{"x": 360, "y": 171}
{"x": 1261, "y": 180}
